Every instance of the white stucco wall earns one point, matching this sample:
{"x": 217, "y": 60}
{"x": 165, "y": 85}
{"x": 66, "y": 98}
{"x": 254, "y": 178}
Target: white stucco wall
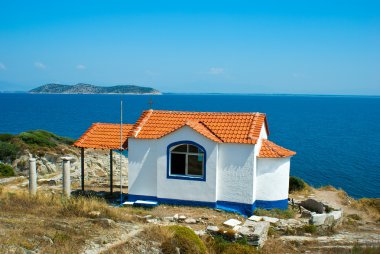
{"x": 186, "y": 189}
{"x": 142, "y": 167}
{"x": 236, "y": 173}
{"x": 272, "y": 178}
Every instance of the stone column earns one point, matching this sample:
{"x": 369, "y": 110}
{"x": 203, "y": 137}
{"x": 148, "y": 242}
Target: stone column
{"x": 32, "y": 176}
{"x": 66, "y": 176}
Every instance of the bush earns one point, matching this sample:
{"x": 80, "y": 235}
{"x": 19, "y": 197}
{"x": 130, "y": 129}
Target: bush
{"x": 312, "y": 229}
{"x": 6, "y": 170}
{"x": 278, "y": 213}
{"x": 296, "y": 184}
{"x": 8, "y": 151}
{"x": 219, "y": 245}
{"x": 6, "y": 137}
{"x": 43, "y": 138}
{"x": 185, "y": 239}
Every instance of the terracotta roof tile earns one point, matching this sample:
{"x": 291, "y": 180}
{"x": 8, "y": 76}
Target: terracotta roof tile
{"x": 104, "y": 136}
{"x": 271, "y": 150}
{"x": 218, "y": 126}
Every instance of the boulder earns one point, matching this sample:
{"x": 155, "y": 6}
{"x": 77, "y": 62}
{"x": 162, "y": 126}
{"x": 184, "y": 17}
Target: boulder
{"x": 256, "y": 233}
{"x": 255, "y": 218}
{"x": 313, "y": 205}
{"x": 212, "y": 229}
{"x": 318, "y": 219}
{"x": 329, "y": 221}
{"x": 190, "y": 221}
{"x": 231, "y": 223}
{"x": 270, "y": 219}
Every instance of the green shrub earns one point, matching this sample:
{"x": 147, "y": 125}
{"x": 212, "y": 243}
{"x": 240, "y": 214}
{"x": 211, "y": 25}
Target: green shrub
{"x": 278, "y": 213}
{"x": 8, "y": 151}
{"x": 6, "y": 137}
{"x": 219, "y": 245}
{"x": 296, "y": 184}
{"x": 312, "y": 229}
{"x": 185, "y": 239}
{"x": 6, "y": 170}
{"x": 43, "y": 138}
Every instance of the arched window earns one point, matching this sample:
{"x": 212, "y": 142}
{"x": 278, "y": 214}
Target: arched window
{"x": 186, "y": 160}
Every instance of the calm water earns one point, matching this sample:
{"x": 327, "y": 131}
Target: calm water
{"x": 337, "y": 139}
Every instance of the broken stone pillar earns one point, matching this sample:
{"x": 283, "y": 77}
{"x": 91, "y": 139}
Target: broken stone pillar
{"x": 66, "y": 176}
{"x": 32, "y": 176}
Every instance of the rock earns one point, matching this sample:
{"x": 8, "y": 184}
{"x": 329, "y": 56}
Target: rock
{"x": 190, "y": 221}
{"x": 154, "y": 221}
{"x": 182, "y": 218}
{"x": 200, "y": 232}
{"x": 231, "y": 223}
{"x": 148, "y": 216}
{"x": 236, "y": 228}
{"x": 249, "y": 223}
{"x": 171, "y": 219}
{"x": 306, "y": 214}
{"x": 256, "y": 235}
{"x": 255, "y": 218}
{"x": 94, "y": 213}
{"x": 213, "y": 229}
{"x": 329, "y": 221}
{"x": 270, "y": 219}
{"x": 313, "y": 205}
{"x": 318, "y": 219}
{"x": 337, "y": 215}
{"x": 48, "y": 239}
{"x": 176, "y": 217}
{"x": 105, "y": 222}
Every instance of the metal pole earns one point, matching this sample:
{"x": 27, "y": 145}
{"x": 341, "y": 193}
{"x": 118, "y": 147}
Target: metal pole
{"x": 111, "y": 173}
{"x": 82, "y": 167}
{"x": 121, "y": 149}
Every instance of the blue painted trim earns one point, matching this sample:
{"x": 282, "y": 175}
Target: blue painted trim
{"x": 190, "y": 178}
{"x": 279, "y": 204}
{"x": 133, "y": 197}
{"x": 242, "y": 208}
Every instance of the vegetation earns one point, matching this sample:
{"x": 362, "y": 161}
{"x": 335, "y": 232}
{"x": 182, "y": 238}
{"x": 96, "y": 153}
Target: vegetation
{"x": 219, "y": 245}
{"x": 36, "y": 142}
{"x": 6, "y": 170}
{"x": 50, "y": 223}
{"x": 8, "y": 151}
{"x": 185, "y": 239}
{"x": 296, "y": 184}
{"x": 278, "y": 213}
{"x": 91, "y": 89}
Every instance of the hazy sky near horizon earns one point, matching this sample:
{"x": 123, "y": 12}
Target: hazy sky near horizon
{"x": 312, "y": 47}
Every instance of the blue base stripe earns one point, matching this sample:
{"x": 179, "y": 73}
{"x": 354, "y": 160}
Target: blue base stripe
{"x": 244, "y": 209}
{"x": 279, "y": 204}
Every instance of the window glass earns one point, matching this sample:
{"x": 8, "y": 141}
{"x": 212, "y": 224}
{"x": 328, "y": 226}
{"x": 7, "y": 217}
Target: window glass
{"x": 194, "y": 149}
{"x": 195, "y": 166}
{"x": 180, "y": 148}
{"x": 178, "y": 164}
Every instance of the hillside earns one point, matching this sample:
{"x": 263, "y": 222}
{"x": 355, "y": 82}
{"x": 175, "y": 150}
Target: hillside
{"x": 92, "y": 222}
{"x": 92, "y": 89}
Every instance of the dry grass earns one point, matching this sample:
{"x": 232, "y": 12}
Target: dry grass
{"x": 51, "y": 223}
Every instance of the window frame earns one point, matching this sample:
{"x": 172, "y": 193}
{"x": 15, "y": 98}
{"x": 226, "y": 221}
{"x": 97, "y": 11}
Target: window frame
{"x": 186, "y": 176}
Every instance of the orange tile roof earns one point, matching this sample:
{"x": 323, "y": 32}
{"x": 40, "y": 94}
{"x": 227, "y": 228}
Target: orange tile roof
{"x": 218, "y": 126}
{"x": 104, "y": 136}
{"x": 271, "y": 150}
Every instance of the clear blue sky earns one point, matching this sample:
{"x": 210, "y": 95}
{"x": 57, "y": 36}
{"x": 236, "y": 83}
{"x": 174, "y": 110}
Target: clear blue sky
{"x": 323, "y": 47}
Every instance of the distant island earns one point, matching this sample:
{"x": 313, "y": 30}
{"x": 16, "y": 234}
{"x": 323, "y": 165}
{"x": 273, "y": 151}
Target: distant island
{"x": 92, "y": 89}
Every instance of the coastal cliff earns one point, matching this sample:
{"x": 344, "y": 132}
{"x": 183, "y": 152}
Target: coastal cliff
{"x": 92, "y": 89}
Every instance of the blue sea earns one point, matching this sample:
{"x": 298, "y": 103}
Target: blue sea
{"x": 337, "y": 138}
